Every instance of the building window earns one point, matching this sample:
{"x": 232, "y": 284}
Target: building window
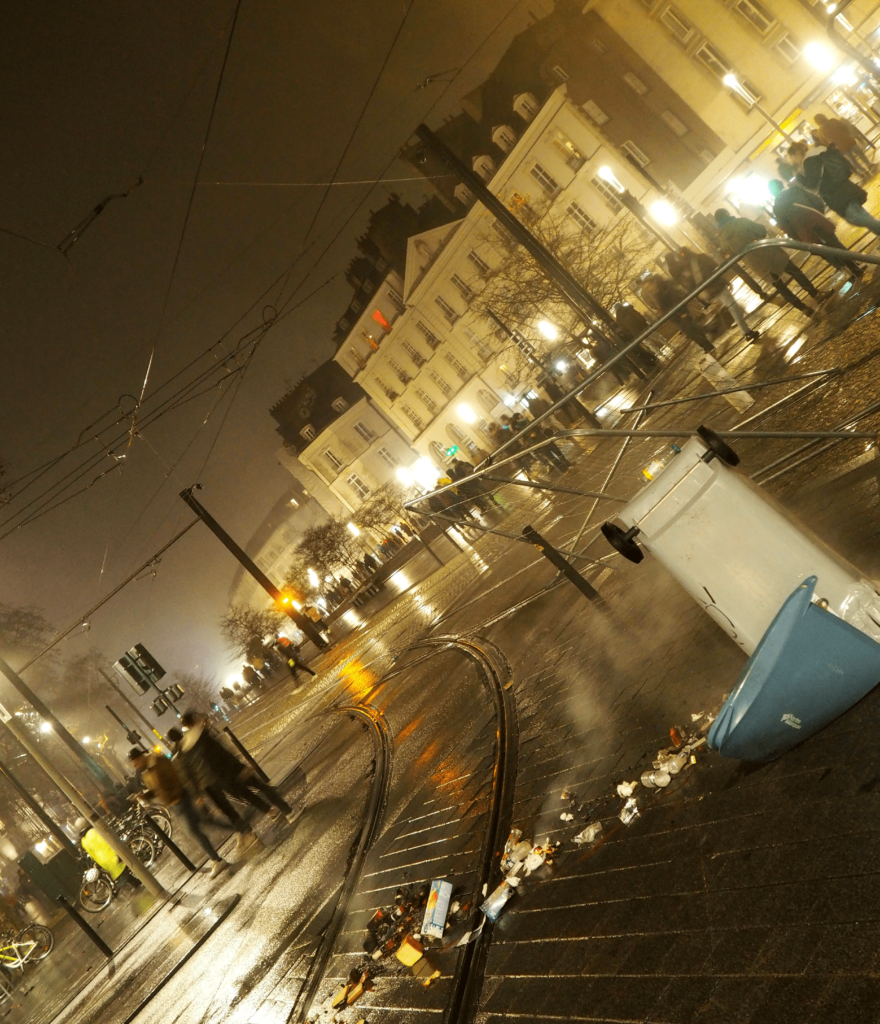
{"x": 333, "y": 460}
{"x": 676, "y": 25}
{"x": 608, "y": 194}
{"x": 580, "y": 216}
{"x": 478, "y": 263}
{"x": 463, "y": 194}
{"x": 488, "y": 399}
{"x": 387, "y": 457}
{"x": 386, "y": 389}
{"x": 706, "y": 156}
{"x": 479, "y": 346}
{"x": 439, "y": 452}
{"x": 561, "y": 73}
{"x": 359, "y": 360}
{"x": 673, "y": 124}
{"x": 788, "y": 48}
{"x": 339, "y": 405}
{"x": 362, "y": 430}
{"x": 635, "y": 83}
{"x": 712, "y": 61}
{"x": 429, "y": 336}
{"x": 504, "y": 137}
{"x": 399, "y": 371}
{"x": 756, "y": 15}
{"x": 442, "y": 383}
{"x": 308, "y": 433}
{"x": 356, "y": 305}
{"x": 635, "y": 154}
{"x": 570, "y": 153}
{"x": 548, "y": 183}
{"x": 446, "y": 310}
{"x": 396, "y": 300}
{"x": 751, "y": 92}
{"x": 458, "y": 366}
{"x": 594, "y": 112}
{"x": 598, "y": 45}
{"x": 464, "y": 289}
{"x": 413, "y": 416}
{"x": 526, "y": 106}
{"x": 381, "y": 264}
{"x": 414, "y": 353}
{"x": 358, "y": 486}
{"x": 484, "y": 165}
{"x": 427, "y": 401}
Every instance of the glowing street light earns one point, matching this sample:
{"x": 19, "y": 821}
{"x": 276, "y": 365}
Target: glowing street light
{"x": 751, "y": 189}
{"x": 561, "y": 366}
{"x": 606, "y": 174}
{"x": 87, "y": 739}
{"x": 819, "y": 56}
{"x": 548, "y": 330}
{"x": 353, "y": 530}
{"x": 664, "y": 213}
{"x": 314, "y": 578}
{"x": 734, "y": 84}
{"x": 466, "y": 413}
{"x": 845, "y": 75}
{"x": 45, "y": 727}
{"x": 405, "y": 476}
{"x": 425, "y": 473}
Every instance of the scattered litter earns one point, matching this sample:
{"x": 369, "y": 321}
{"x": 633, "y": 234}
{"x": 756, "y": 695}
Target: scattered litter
{"x": 657, "y": 778}
{"x": 566, "y": 817}
{"x": 589, "y": 834}
{"x": 630, "y": 811}
{"x": 410, "y": 951}
{"x": 626, "y": 789}
{"x": 387, "y": 928}
{"x": 496, "y": 902}
{"x": 437, "y": 908}
{"x": 358, "y": 983}
{"x": 566, "y": 794}
{"x": 678, "y": 736}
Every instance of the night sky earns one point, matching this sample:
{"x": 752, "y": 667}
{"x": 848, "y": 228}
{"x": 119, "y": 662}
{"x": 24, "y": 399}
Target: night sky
{"x": 98, "y": 94}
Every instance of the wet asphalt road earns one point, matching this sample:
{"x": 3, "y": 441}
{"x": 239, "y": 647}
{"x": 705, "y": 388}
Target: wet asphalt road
{"x": 595, "y": 690}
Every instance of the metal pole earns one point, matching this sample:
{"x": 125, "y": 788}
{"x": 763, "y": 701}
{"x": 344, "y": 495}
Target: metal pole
{"x": 565, "y": 567}
{"x": 250, "y": 566}
{"x": 119, "y": 693}
{"x": 51, "y": 825}
{"x": 637, "y": 209}
{"x": 130, "y": 734}
{"x": 586, "y": 305}
{"x": 79, "y": 801}
{"x": 87, "y": 929}
{"x": 770, "y": 120}
{"x": 541, "y": 486}
{"x": 245, "y": 753}
{"x": 731, "y": 391}
{"x": 105, "y": 783}
{"x": 169, "y": 842}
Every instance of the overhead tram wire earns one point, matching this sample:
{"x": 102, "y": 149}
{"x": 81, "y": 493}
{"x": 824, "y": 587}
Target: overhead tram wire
{"x": 376, "y": 181}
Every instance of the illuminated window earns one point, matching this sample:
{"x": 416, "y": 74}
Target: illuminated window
{"x": 570, "y": 153}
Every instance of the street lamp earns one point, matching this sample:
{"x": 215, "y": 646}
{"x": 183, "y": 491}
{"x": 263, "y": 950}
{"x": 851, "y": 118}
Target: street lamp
{"x": 45, "y": 727}
{"x": 733, "y": 83}
{"x": 466, "y": 413}
{"x": 548, "y": 330}
{"x": 405, "y": 476}
{"x": 664, "y": 213}
{"x": 819, "y": 56}
{"x": 636, "y": 208}
{"x": 353, "y": 530}
{"x": 314, "y": 579}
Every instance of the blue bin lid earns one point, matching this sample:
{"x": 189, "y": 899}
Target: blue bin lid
{"x": 809, "y": 667}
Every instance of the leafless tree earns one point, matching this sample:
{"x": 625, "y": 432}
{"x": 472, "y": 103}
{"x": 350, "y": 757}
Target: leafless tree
{"x": 244, "y": 629}
{"x": 199, "y": 690}
{"x": 329, "y": 548}
{"x": 385, "y": 508}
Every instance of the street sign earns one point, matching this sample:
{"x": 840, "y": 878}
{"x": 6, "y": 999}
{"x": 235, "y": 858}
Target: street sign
{"x": 140, "y": 668}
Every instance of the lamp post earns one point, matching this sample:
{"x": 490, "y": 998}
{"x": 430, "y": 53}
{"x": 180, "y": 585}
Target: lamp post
{"x": 732, "y": 83}
{"x": 637, "y": 209}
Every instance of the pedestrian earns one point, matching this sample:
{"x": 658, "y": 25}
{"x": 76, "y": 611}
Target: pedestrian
{"x": 164, "y": 785}
{"x": 102, "y": 853}
{"x": 735, "y": 233}
{"x": 662, "y": 294}
{"x": 249, "y": 675}
{"x": 827, "y": 172}
{"x": 292, "y": 659}
{"x": 689, "y": 269}
{"x": 631, "y": 325}
{"x": 834, "y": 131}
{"x": 801, "y": 215}
{"x": 224, "y": 775}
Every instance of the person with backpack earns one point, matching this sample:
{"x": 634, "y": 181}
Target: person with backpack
{"x": 827, "y": 172}
{"x": 801, "y": 215}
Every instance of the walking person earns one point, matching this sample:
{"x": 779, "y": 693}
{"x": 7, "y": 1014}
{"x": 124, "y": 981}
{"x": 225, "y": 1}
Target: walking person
{"x": 661, "y": 294}
{"x": 689, "y": 269}
{"x": 827, "y": 172}
{"x": 801, "y": 215}
{"x": 735, "y": 233}
{"x": 164, "y": 785}
{"x": 834, "y": 131}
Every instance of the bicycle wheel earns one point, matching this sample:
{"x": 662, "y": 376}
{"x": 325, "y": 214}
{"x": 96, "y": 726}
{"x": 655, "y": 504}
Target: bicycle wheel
{"x": 42, "y": 938}
{"x": 143, "y": 847}
{"x": 162, "y": 819}
{"x": 96, "y": 895}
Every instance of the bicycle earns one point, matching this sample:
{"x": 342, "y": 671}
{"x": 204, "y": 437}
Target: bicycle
{"x": 97, "y": 890}
{"x": 35, "y": 942}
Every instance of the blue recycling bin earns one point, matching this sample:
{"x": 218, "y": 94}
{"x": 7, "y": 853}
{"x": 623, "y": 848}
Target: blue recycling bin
{"x": 808, "y": 668}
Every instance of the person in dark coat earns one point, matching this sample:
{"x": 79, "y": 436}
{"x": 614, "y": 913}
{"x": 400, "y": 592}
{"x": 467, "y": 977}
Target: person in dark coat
{"x": 801, "y": 215}
{"x": 632, "y": 324}
{"x": 827, "y": 172}
{"x": 690, "y": 268}
{"x": 834, "y": 131}
{"x": 662, "y": 294}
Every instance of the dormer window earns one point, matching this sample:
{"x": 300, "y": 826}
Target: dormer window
{"x": 484, "y": 165}
{"x": 504, "y": 138}
{"x": 308, "y": 433}
{"x": 526, "y": 105}
{"x": 339, "y": 405}
{"x": 463, "y": 194}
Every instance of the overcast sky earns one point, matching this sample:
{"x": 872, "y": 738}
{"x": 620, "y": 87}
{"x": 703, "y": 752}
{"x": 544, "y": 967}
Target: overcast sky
{"x": 98, "y": 94}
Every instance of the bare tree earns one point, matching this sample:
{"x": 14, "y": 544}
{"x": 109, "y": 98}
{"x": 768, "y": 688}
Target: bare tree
{"x": 24, "y": 630}
{"x": 386, "y": 507}
{"x": 199, "y": 690}
{"x": 245, "y": 629}
{"x": 329, "y": 548}
{"x": 606, "y": 261}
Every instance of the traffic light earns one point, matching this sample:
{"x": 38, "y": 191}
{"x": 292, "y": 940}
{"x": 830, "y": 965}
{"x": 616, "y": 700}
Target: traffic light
{"x": 160, "y": 706}
{"x": 174, "y": 692}
{"x": 141, "y": 668}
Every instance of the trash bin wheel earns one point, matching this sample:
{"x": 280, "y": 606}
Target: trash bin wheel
{"x": 623, "y": 541}
{"x": 717, "y": 447}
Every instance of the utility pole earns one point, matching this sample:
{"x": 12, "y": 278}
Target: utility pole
{"x": 105, "y": 783}
{"x": 581, "y": 301}
{"x": 133, "y": 706}
{"x": 305, "y": 624}
{"x": 122, "y": 851}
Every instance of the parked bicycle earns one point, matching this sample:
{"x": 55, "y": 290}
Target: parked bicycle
{"x": 97, "y": 889}
{"x": 35, "y": 942}
{"x": 146, "y": 840}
